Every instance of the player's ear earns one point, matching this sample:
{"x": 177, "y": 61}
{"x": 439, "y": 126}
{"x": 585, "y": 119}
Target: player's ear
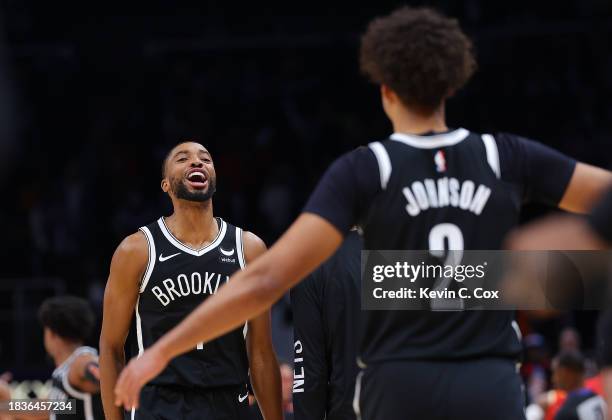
{"x": 51, "y": 335}
{"x": 388, "y": 94}
{"x": 165, "y": 185}
{"x": 388, "y": 98}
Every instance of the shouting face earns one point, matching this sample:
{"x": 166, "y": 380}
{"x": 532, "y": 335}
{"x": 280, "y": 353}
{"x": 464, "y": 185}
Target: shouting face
{"x": 189, "y": 173}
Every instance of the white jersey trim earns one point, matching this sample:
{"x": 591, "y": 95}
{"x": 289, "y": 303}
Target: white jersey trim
{"x": 492, "y": 153}
{"x": 197, "y": 252}
{"x": 139, "y": 329}
{"x": 151, "y": 261}
{"x": 357, "y": 396}
{"x": 242, "y": 262}
{"x": 384, "y": 163}
{"x": 431, "y": 142}
{"x": 240, "y": 248}
{"x": 73, "y": 392}
{"x": 592, "y": 408}
{"x": 83, "y": 396}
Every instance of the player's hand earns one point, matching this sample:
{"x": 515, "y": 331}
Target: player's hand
{"x": 94, "y": 369}
{"x": 136, "y": 374}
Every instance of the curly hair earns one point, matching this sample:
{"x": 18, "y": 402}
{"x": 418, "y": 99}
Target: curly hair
{"x": 69, "y": 317}
{"x": 422, "y": 55}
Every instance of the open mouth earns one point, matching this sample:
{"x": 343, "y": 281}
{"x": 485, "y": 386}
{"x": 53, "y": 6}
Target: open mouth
{"x": 197, "y": 179}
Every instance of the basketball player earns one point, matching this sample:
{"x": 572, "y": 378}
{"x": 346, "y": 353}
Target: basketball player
{"x": 424, "y": 186}
{"x": 162, "y": 273}
{"x": 68, "y": 321}
{"x": 581, "y": 403}
{"x": 326, "y": 314}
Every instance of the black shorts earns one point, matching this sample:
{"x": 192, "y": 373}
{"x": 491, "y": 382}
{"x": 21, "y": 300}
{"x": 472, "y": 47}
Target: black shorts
{"x": 416, "y": 390}
{"x": 174, "y": 403}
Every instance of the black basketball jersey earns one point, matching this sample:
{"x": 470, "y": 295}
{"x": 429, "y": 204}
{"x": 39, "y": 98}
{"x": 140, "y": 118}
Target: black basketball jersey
{"x": 326, "y": 314}
{"x": 435, "y": 192}
{"x": 177, "y": 279}
{"x": 454, "y": 190}
{"x": 87, "y": 406}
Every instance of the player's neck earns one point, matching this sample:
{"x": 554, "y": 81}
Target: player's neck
{"x": 407, "y": 121}
{"x": 193, "y": 223}
{"x": 64, "y": 352}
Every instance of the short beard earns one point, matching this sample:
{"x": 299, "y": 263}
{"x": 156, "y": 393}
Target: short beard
{"x": 182, "y": 192}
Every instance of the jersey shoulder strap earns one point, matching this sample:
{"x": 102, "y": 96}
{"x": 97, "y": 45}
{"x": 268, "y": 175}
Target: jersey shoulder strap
{"x": 384, "y": 162}
{"x": 232, "y": 245}
{"x": 492, "y": 153}
{"x": 150, "y": 231}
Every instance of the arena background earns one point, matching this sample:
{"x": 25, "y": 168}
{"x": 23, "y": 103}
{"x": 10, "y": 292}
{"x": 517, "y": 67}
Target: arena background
{"x": 94, "y": 96}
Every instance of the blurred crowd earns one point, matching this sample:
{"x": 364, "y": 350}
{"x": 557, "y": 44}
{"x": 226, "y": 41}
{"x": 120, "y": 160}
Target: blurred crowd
{"x": 97, "y": 97}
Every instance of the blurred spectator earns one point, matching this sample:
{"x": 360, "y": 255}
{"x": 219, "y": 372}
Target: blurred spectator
{"x": 569, "y": 340}
{"x": 535, "y": 369}
{"x": 581, "y": 402}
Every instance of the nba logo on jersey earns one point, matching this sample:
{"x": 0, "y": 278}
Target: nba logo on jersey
{"x": 440, "y": 161}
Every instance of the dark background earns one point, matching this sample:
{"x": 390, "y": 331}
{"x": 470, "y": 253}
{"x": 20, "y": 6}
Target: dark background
{"x": 94, "y": 96}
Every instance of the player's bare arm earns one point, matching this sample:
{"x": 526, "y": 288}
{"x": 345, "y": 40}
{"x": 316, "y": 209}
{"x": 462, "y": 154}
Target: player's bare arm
{"x": 127, "y": 267}
{"x": 265, "y": 375}
{"x": 587, "y": 184}
{"x": 84, "y": 374}
{"x": 309, "y": 241}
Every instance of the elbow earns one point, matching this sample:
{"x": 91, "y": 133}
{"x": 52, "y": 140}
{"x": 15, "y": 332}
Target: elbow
{"x": 109, "y": 348}
{"x": 104, "y": 345}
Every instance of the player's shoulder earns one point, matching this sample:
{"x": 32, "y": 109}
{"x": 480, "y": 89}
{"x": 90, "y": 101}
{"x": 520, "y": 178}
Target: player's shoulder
{"x": 513, "y": 148}
{"x": 510, "y": 142}
{"x": 253, "y": 245}
{"x": 359, "y": 156}
{"x": 252, "y": 240}
{"x": 133, "y": 244}
{"x": 132, "y": 250}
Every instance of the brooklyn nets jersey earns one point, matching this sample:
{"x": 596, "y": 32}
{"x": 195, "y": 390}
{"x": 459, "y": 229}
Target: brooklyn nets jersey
{"x": 177, "y": 279}
{"x": 88, "y": 406}
{"x": 455, "y": 190}
{"x": 326, "y": 314}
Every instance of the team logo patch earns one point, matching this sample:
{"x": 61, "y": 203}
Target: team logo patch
{"x": 440, "y": 161}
